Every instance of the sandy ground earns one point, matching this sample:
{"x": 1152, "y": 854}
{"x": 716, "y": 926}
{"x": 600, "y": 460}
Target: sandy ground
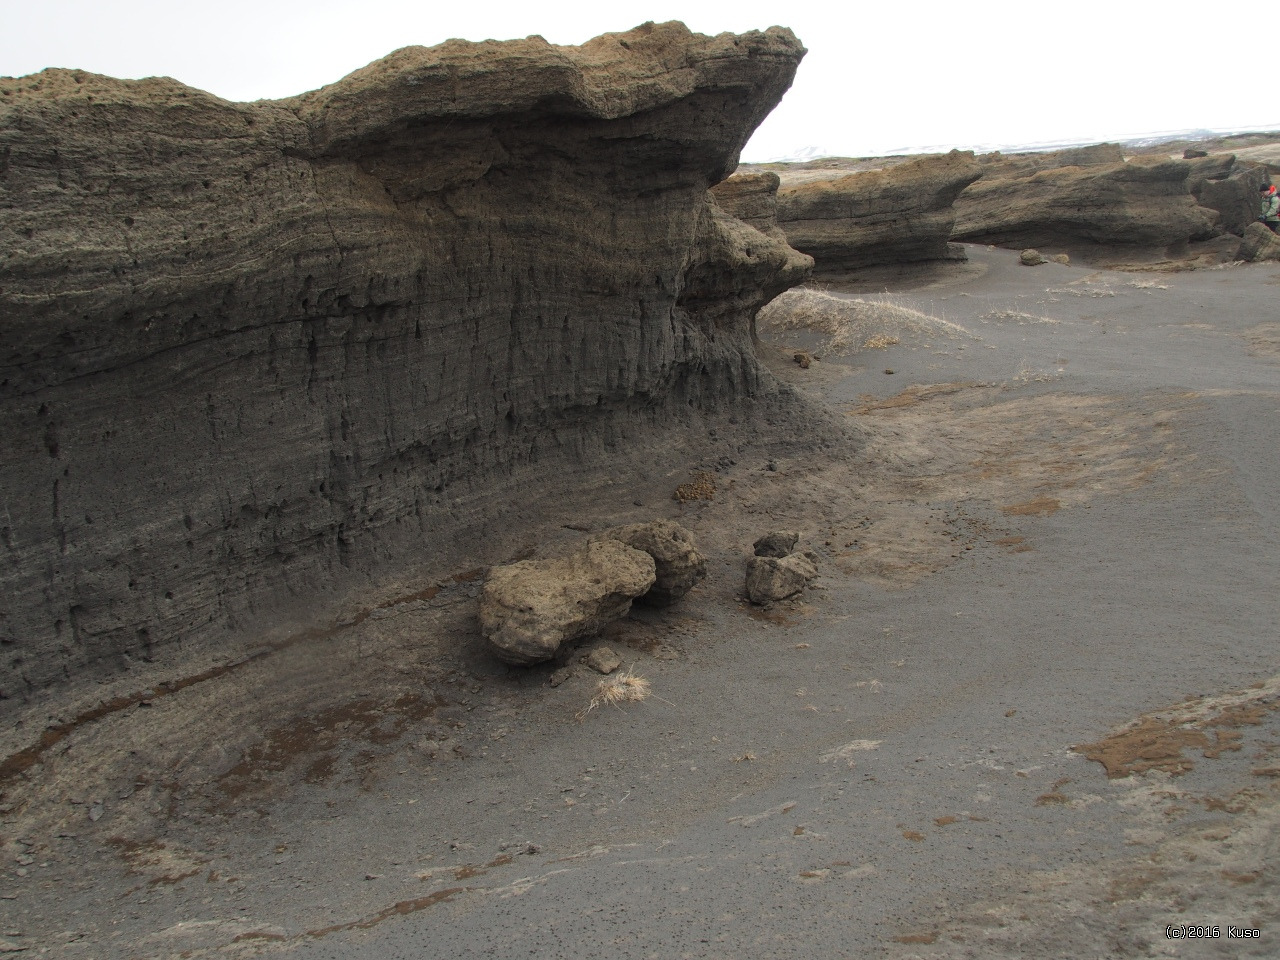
{"x": 1031, "y": 707}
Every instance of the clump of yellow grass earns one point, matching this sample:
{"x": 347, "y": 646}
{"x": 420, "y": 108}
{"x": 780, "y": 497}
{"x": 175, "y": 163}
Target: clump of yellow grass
{"x": 853, "y": 323}
{"x": 625, "y": 686}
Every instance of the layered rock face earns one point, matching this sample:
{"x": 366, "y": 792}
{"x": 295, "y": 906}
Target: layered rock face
{"x": 1143, "y": 202}
{"x": 900, "y": 214}
{"x": 752, "y": 197}
{"x": 256, "y": 353}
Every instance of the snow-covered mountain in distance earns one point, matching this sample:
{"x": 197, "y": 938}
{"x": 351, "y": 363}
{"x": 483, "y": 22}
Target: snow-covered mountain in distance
{"x": 813, "y": 152}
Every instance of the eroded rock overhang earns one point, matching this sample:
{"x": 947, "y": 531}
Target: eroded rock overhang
{"x": 256, "y": 352}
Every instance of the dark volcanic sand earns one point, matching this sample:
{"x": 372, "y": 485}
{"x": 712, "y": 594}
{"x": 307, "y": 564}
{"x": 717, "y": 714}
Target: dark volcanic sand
{"x": 1041, "y": 527}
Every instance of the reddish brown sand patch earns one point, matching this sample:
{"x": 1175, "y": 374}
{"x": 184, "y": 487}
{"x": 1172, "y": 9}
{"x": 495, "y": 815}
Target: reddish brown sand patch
{"x": 1040, "y": 507}
{"x": 912, "y": 396}
{"x": 1156, "y": 741}
{"x": 403, "y": 908}
{"x": 916, "y": 938}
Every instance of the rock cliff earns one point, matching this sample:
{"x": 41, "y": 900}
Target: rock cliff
{"x": 257, "y": 354}
{"x": 900, "y": 214}
{"x": 1143, "y": 202}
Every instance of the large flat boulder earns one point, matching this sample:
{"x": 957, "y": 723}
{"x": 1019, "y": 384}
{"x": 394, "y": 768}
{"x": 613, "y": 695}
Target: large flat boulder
{"x": 896, "y": 215}
{"x": 260, "y": 355}
{"x": 528, "y": 610}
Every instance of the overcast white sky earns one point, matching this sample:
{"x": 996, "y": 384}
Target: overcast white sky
{"x": 880, "y": 77}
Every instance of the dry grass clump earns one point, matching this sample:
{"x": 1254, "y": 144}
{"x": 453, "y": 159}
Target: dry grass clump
{"x": 1016, "y": 316}
{"x": 853, "y": 323}
{"x": 701, "y": 487}
{"x": 879, "y": 342}
{"x": 626, "y": 686}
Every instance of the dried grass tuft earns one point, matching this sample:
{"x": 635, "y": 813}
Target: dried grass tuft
{"x": 880, "y": 342}
{"x": 1015, "y": 316}
{"x": 853, "y": 323}
{"x": 625, "y": 686}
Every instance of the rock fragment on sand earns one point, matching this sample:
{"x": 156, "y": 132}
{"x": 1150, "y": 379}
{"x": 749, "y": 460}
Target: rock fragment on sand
{"x": 528, "y": 609}
{"x": 778, "y": 543}
{"x": 776, "y": 578}
{"x": 602, "y": 660}
{"x": 560, "y": 676}
{"x": 1061, "y": 258}
{"x": 803, "y": 359}
{"x": 1031, "y": 258}
{"x": 678, "y": 564}
{"x": 1259, "y": 244}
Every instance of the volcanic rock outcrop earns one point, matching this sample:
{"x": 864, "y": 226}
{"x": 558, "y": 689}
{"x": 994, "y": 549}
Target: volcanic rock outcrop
{"x": 1142, "y": 202}
{"x": 900, "y": 214}
{"x": 258, "y": 354}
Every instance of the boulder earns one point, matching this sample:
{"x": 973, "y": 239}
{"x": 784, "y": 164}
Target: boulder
{"x": 258, "y": 354}
{"x": 602, "y": 660}
{"x": 1259, "y": 244}
{"x": 778, "y": 543}
{"x": 530, "y": 608}
{"x": 1144, "y": 201}
{"x": 1230, "y": 188}
{"x": 776, "y": 578}
{"x": 899, "y": 214}
{"x": 677, "y": 562}
{"x": 1191, "y": 153}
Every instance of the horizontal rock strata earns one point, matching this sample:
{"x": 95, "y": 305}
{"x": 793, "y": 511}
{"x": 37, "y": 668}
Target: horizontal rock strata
{"x": 900, "y": 214}
{"x": 1143, "y": 202}
{"x": 254, "y": 354}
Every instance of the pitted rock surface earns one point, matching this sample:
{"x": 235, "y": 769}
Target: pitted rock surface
{"x": 530, "y": 608}
{"x": 777, "y": 543}
{"x": 679, "y": 565}
{"x": 776, "y": 578}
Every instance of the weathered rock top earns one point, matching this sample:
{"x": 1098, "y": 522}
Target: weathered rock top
{"x": 612, "y": 76}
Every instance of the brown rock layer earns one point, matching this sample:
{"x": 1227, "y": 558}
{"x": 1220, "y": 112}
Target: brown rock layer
{"x": 1145, "y": 201}
{"x": 900, "y": 214}
{"x": 257, "y": 353}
